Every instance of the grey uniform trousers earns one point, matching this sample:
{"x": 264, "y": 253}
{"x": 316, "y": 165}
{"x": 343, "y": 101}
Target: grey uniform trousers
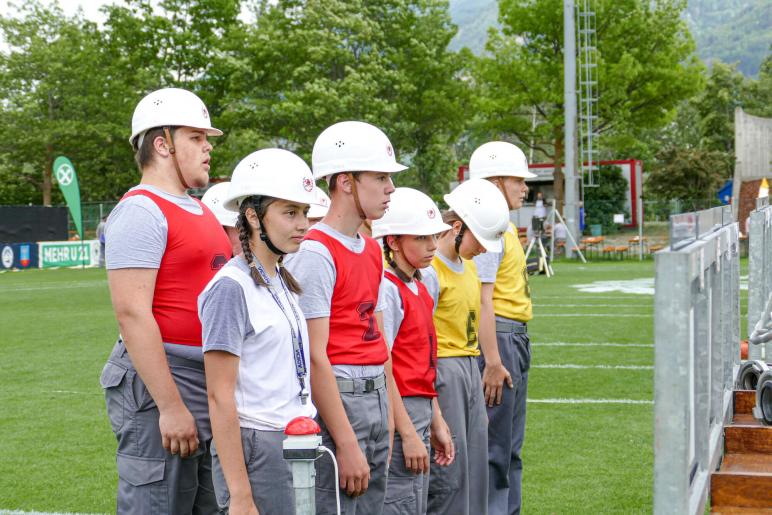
{"x": 406, "y": 492}
{"x": 368, "y": 414}
{"x": 461, "y": 488}
{"x": 506, "y": 428}
{"x": 151, "y": 480}
{"x": 270, "y": 475}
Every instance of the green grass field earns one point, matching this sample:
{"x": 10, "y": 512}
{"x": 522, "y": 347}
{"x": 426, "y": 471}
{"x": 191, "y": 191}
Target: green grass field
{"x": 57, "y": 449}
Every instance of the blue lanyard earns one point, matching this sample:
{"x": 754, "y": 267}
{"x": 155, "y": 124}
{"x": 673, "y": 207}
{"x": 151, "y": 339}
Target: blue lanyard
{"x": 297, "y": 336}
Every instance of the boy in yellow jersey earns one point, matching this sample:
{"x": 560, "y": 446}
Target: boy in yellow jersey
{"x": 478, "y": 218}
{"x": 504, "y": 311}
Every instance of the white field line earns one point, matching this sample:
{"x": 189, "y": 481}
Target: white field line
{"x": 589, "y": 401}
{"x": 597, "y": 315}
{"x": 589, "y": 296}
{"x": 58, "y": 286}
{"x": 594, "y": 367}
{"x": 591, "y": 344}
{"x": 19, "y": 512}
{"x": 637, "y": 306}
{"x": 73, "y": 392}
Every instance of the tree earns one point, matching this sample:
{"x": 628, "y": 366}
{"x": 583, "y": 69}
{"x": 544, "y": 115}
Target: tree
{"x": 759, "y": 100}
{"x": 56, "y": 100}
{"x": 724, "y": 91}
{"x": 687, "y": 173}
{"x": 601, "y": 203}
{"x": 69, "y": 88}
{"x": 308, "y": 64}
{"x": 703, "y": 129}
{"x": 174, "y": 43}
{"x": 646, "y": 66}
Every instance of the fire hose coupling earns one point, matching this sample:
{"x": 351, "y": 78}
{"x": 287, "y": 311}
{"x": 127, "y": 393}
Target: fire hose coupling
{"x": 749, "y": 374}
{"x": 762, "y": 331}
{"x": 763, "y": 409}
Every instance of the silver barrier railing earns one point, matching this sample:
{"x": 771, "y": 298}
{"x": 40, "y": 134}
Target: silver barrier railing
{"x": 697, "y": 354}
{"x": 760, "y": 276}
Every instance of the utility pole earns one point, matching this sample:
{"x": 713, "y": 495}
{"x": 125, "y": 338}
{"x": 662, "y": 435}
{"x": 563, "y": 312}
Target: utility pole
{"x": 571, "y": 209}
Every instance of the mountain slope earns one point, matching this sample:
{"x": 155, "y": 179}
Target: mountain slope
{"x": 733, "y": 31}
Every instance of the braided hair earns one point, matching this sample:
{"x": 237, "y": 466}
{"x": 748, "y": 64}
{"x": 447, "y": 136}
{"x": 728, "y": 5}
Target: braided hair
{"x": 387, "y": 253}
{"x": 449, "y": 216}
{"x": 260, "y": 205}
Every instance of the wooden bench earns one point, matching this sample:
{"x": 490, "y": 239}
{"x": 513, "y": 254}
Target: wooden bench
{"x": 655, "y": 248}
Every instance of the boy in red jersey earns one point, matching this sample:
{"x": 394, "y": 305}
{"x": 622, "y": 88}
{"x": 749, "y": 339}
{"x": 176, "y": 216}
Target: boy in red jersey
{"x": 163, "y": 247}
{"x": 340, "y": 272}
{"x": 409, "y": 230}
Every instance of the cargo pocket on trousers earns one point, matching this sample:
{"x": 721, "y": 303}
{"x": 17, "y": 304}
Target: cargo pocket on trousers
{"x": 141, "y": 484}
{"x": 400, "y": 496}
{"x": 140, "y": 471}
{"x": 111, "y": 380}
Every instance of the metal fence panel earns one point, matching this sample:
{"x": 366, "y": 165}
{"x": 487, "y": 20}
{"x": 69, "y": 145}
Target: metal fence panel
{"x": 759, "y": 271}
{"x": 696, "y": 355}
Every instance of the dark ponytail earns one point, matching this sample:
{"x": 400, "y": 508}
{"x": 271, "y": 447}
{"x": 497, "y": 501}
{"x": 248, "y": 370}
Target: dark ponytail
{"x": 449, "y": 217}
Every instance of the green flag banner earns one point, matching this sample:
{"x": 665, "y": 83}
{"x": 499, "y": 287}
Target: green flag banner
{"x": 68, "y": 182}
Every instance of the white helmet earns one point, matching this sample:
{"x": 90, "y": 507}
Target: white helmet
{"x": 498, "y": 159}
{"x": 213, "y": 199}
{"x": 170, "y": 107}
{"x": 483, "y": 209}
{"x": 321, "y": 205}
{"x": 410, "y": 212}
{"x": 272, "y": 172}
{"x": 353, "y": 147}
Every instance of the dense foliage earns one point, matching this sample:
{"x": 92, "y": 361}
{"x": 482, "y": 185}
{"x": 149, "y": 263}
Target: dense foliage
{"x": 68, "y": 86}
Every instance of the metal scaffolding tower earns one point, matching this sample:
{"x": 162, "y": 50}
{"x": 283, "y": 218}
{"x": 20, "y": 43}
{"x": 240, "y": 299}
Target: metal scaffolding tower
{"x": 588, "y": 92}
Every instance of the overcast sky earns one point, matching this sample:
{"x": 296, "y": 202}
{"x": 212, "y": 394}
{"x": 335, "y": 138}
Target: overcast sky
{"x": 90, "y": 7}
{"x": 90, "y": 10}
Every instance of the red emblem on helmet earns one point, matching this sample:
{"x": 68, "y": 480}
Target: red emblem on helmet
{"x": 308, "y": 184}
{"x": 389, "y": 150}
{"x": 431, "y": 213}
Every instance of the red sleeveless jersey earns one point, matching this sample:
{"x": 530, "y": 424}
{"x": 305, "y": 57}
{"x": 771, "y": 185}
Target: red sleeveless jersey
{"x": 196, "y": 247}
{"x": 414, "y": 353}
{"x": 354, "y": 336}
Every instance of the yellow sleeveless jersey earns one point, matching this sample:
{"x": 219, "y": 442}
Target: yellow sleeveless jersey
{"x": 457, "y": 316}
{"x": 511, "y": 292}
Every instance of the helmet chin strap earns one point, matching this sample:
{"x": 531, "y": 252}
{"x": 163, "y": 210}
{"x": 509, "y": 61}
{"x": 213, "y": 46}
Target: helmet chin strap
{"x": 273, "y": 248}
{"x": 354, "y": 191}
{"x": 264, "y": 234}
{"x": 173, "y": 152}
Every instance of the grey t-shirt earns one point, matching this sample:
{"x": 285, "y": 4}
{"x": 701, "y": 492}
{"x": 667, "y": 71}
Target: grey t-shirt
{"x": 136, "y": 230}
{"x": 135, "y": 237}
{"x": 226, "y": 320}
{"x": 314, "y": 269}
{"x": 488, "y": 266}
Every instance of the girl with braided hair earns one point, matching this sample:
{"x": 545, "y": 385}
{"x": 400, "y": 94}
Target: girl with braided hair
{"x": 409, "y": 230}
{"x": 255, "y": 337}
{"x": 478, "y": 217}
